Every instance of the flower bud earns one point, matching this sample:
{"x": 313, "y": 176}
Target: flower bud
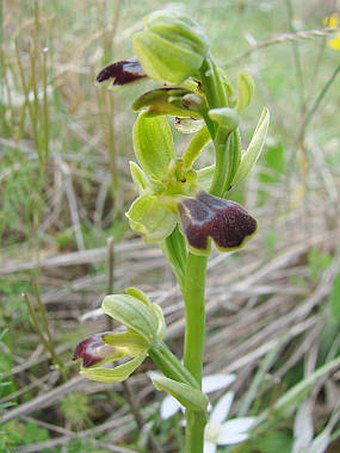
{"x": 172, "y": 47}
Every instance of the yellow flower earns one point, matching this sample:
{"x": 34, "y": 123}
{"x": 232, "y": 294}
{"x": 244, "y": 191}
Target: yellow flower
{"x": 333, "y": 21}
{"x": 335, "y": 42}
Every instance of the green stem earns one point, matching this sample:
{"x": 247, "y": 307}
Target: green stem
{"x": 222, "y": 162}
{"x": 194, "y": 288}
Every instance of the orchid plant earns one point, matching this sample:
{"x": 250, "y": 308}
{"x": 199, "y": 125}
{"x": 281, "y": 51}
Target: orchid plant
{"x": 180, "y": 206}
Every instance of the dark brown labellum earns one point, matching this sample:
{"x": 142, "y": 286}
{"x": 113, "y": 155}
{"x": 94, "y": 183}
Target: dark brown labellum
{"x": 93, "y": 350}
{"x": 122, "y": 72}
{"x": 224, "y": 221}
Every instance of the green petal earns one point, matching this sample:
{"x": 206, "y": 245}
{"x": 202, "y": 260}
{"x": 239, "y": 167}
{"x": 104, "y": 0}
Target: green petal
{"x": 139, "y": 177}
{"x": 129, "y": 344}
{"x": 148, "y": 216}
{"x": 154, "y": 146}
{"x": 245, "y": 90}
{"x": 117, "y": 374}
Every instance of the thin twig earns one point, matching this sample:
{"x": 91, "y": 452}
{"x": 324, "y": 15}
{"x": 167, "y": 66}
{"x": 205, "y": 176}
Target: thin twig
{"x": 283, "y": 38}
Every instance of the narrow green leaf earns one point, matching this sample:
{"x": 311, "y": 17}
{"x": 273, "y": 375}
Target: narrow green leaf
{"x": 251, "y": 155}
{"x": 154, "y": 146}
{"x": 289, "y": 401}
{"x": 335, "y": 299}
{"x": 149, "y": 217}
{"x": 117, "y": 374}
{"x": 188, "y": 396}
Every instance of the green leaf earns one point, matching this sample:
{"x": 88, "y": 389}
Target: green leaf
{"x": 153, "y": 144}
{"x": 139, "y": 177}
{"x": 148, "y": 216}
{"x": 188, "y": 396}
{"x": 245, "y": 90}
{"x": 292, "y": 398}
{"x": 133, "y": 314}
{"x": 335, "y": 299}
{"x": 117, "y": 374}
{"x": 251, "y": 155}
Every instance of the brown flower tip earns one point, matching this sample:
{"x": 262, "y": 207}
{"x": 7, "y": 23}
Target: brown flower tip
{"x": 93, "y": 350}
{"x": 122, "y": 72}
{"x": 224, "y": 221}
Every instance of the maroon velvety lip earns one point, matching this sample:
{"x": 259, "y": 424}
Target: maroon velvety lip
{"x": 207, "y": 216}
{"x": 93, "y": 350}
{"x": 122, "y": 72}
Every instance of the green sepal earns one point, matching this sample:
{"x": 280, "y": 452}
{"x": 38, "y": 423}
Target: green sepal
{"x": 117, "y": 374}
{"x": 168, "y": 101}
{"x": 163, "y": 60}
{"x": 153, "y": 145}
{"x": 176, "y": 26}
{"x": 245, "y": 90}
{"x": 139, "y": 178}
{"x": 139, "y": 294}
{"x": 157, "y": 311}
{"x": 251, "y": 155}
{"x": 151, "y": 218}
{"x": 188, "y": 396}
{"x": 134, "y": 314}
{"x": 205, "y": 176}
{"x": 225, "y": 117}
{"x": 173, "y": 46}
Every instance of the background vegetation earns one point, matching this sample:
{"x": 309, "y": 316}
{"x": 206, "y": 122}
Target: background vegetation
{"x": 273, "y": 309}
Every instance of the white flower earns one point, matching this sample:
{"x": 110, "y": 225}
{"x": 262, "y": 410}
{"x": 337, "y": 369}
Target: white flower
{"x": 304, "y": 431}
{"x": 221, "y": 432}
{"x": 210, "y": 384}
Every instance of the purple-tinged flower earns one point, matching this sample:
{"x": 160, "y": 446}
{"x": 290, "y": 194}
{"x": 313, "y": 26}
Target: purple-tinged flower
{"x": 208, "y": 217}
{"x": 93, "y": 350}
{"x": 122, "y": 72}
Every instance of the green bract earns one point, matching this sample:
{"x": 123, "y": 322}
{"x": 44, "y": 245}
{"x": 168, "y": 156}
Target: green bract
{"x": 188, "y": 396}
{"x": 172, "y": 47}
{"x": 251, "y": 155}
